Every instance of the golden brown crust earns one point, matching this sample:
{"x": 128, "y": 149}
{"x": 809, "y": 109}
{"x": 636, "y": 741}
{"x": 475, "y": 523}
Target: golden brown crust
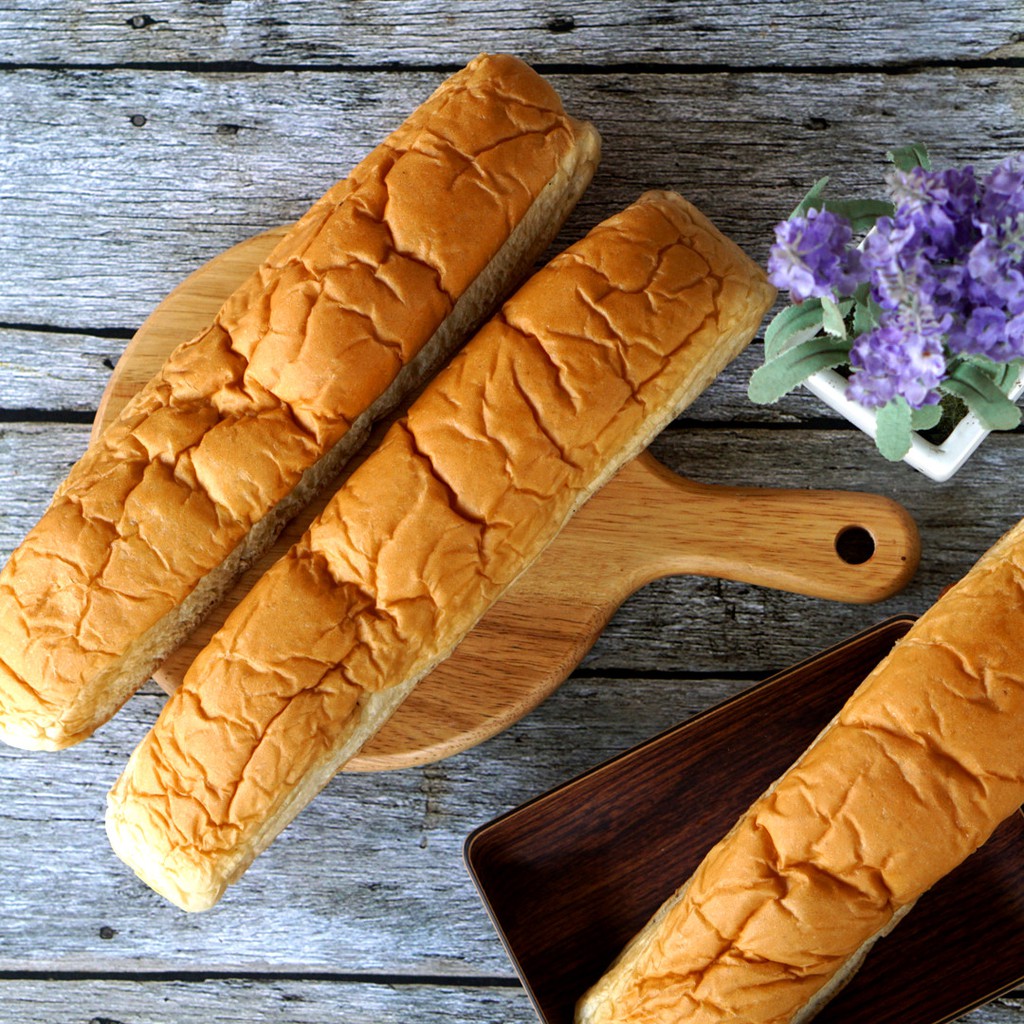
{"x": 245, "y": 419}
{"x": 593, "y": 356}
{"x": 915, "y": 773}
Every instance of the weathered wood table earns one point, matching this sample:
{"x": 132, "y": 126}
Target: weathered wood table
{"x": 137, "y": 140}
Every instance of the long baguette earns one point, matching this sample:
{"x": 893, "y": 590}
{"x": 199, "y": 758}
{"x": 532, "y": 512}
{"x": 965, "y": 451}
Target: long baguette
{"x": 362, "y": 301}
{"x": 914, "y": 774}
{"x": 580, "y": 369}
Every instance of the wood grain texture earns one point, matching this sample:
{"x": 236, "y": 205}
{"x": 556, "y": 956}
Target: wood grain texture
{"x": 697, "y": 624}
{"x": 55, "y": 372}
{"x": 296, "y": 1001}
{"x": 117, "y": 181}
{"x": 368, "y": 880}
{"x": 125, "y": 210}
{"x": 448, "y": 31}
{"x": 274, "y": 1001}
{"x": 385, "y": 884}
{"x": 687, "y": 623}
{"x": 61, "y": 373}
{"x": 387, "y": 855}
{"x": 644, "y": 524}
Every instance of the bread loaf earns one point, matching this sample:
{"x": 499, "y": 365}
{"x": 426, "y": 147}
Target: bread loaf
{"x": 915, "y": 773}
{"x": 573, "y": 377}
{"x": 364, "y": 298}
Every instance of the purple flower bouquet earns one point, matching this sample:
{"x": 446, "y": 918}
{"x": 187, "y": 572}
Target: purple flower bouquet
{"x": 924, "y": 317}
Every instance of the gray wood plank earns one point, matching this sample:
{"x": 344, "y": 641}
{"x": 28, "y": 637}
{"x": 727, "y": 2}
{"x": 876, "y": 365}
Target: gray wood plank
{"x": 101, "y": 217}
{"x": 62, "y": 373}
{"x": 368, "y": 879}
{"x": 259, "y": 1002}
{"x": 299, "y": 1002}
{"x": 958, "y": 521}
{"x": 33, "y": 461}
{"x": 53, "y": 370}
{"x": 1007, "y": 1010}
{"x": 763, "y": 32}
{"x": 686, "y": 623}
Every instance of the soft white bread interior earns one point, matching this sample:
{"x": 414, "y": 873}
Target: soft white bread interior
{"x": 578, "y": 371}
{"x": 914, "y": 774}
{"x": 361, "y": 302}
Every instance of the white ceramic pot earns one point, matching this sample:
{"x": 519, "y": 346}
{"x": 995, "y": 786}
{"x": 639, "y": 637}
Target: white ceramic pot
{"x": 938, "y": 461}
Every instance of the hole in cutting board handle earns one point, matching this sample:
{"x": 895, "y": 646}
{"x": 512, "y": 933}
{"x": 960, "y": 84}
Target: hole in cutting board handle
{"x": 855, "y": 545}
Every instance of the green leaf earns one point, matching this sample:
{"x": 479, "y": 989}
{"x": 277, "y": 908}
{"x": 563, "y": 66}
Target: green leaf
{"x": 1003, "y": 374}
{"x": 791, "y": 326}
{"x": 861, "y": 213}
{"x": 906, "y": 158}
{"x": 982, "y": 395}
{"x": 780, "y": 375}
{"x": 834, "y": 318}
{"x": 866, "y": 315}
{"x": 862, "y": 293}
{"x": 926, "y": 417}
{"x": 1008, "y": 375}
{"x": 810, "y": 201}
{"x": 893, "y": 435}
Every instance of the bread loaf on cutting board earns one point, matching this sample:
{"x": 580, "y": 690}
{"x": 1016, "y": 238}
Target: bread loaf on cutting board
{"x": 373, "y": 288}
{"x": 573, "y": 377}
{"x": 914, "y": 774}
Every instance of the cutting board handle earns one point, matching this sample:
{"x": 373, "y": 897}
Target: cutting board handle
{"x": 843, "y": 545}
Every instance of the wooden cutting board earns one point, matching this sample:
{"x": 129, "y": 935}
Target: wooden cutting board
{"x": 645, "y": 523}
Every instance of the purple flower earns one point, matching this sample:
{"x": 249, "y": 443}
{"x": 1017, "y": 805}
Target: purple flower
{"x": 996, "y": 276}
{"x": 989, "y": 332}
{"x": 1003, "y": 198}
{"x": 992, "y": 296}
{"x": 946, "y": 276}
{"x": 897, "y": 358}
{"x": 890, "y": 253}
{"x": 950, "y": 265}
{"x": 943, "y": 287}
{"x": 985, "y": 331}
{"x": 937, "y": 207}
{"x": 1015, "y": 335}
{"x": 812, "y": 259}
{"x": 913, "y": 257}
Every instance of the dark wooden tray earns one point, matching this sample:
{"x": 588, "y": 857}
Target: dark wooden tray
{"x": 570, "y": 877}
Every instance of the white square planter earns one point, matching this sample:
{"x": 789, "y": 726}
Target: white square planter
{"x": 938, "y": 461}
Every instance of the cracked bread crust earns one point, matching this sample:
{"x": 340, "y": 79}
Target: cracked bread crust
{"x": 375, "y": 286}
{"x": 915, "y": 773}
{"x": 581, "y": 368}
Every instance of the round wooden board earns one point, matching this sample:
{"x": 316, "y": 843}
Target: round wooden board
{"x": 645, "y": 523}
